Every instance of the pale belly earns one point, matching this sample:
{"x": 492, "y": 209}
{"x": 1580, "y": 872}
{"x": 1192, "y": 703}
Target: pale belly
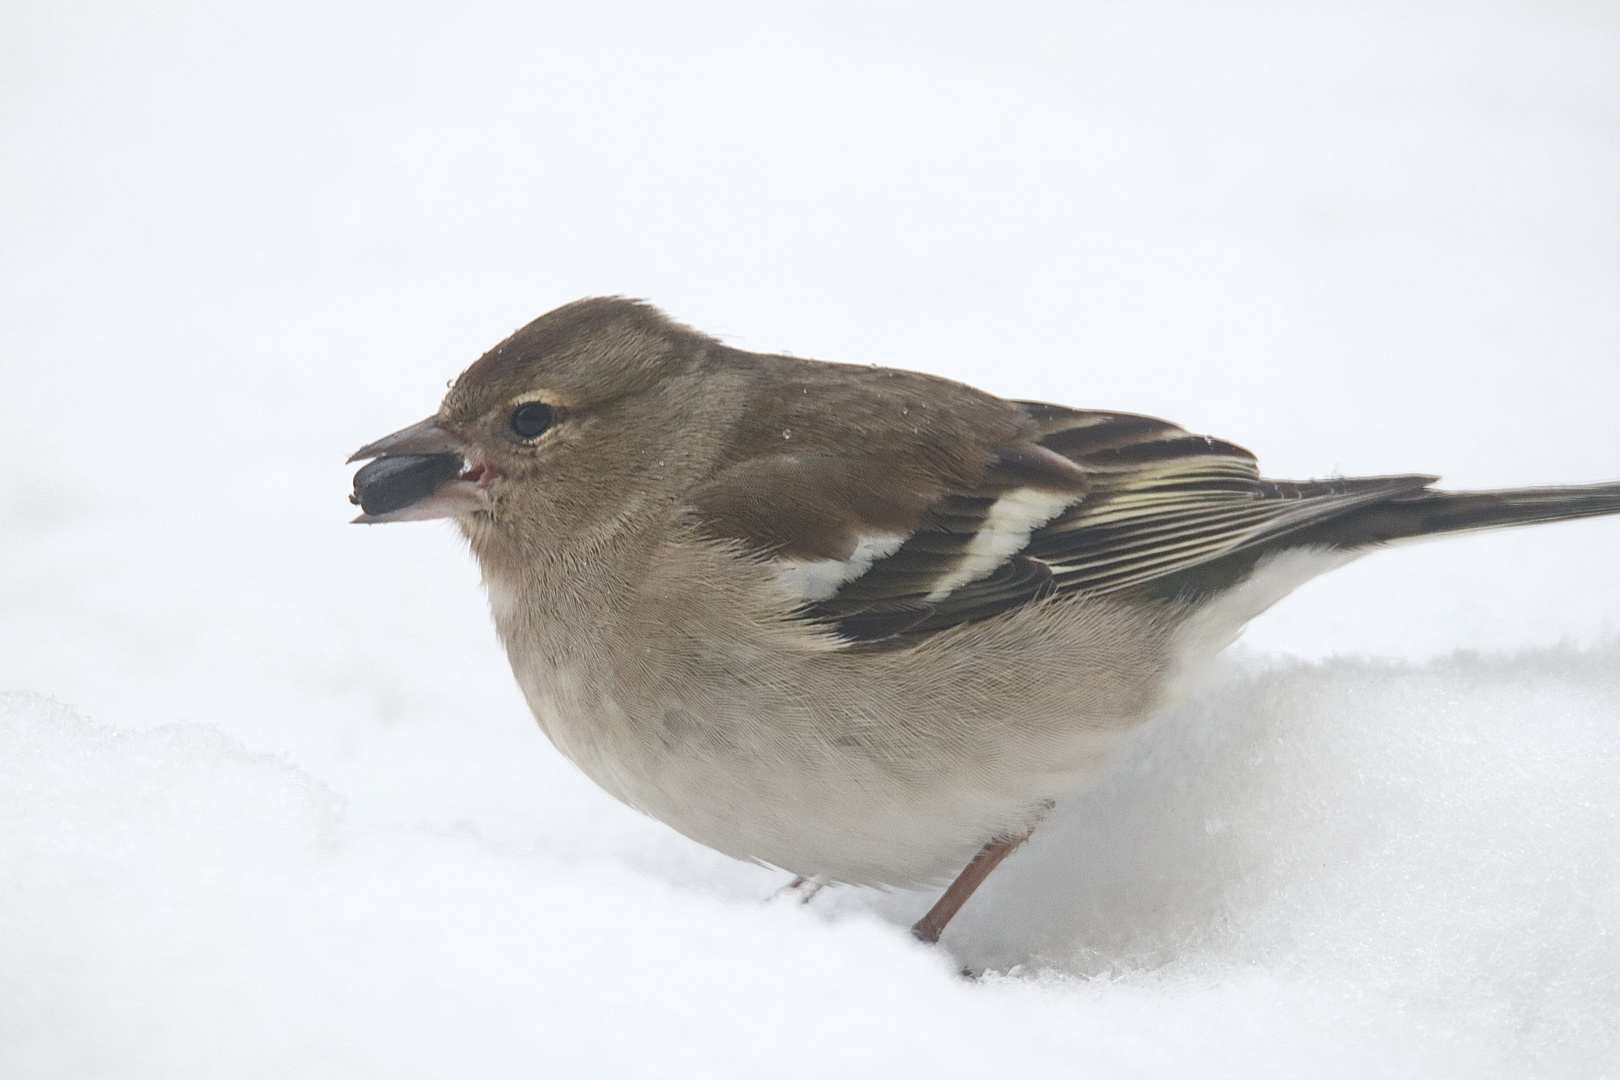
{"x": 881, "y": 768}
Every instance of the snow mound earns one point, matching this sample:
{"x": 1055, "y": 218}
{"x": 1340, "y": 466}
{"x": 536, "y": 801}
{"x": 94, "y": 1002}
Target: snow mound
{"x": 1334, "y": 869}
{"x": 1438, "y": 844}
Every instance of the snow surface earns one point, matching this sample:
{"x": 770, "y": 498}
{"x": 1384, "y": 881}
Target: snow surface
{"x": 271, "y": 805}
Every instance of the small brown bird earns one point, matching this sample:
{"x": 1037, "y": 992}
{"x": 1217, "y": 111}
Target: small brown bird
{"x": 853, "y": 622}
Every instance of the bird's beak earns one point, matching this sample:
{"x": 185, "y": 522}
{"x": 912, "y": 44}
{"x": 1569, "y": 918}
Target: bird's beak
{"x": 420, "y": 473}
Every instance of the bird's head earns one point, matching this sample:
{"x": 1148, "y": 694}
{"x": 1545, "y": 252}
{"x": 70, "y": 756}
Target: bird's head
{"x": 577, "y": 418}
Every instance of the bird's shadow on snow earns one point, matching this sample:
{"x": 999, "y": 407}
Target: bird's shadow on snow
{"x": 1122, "y": 873}
{"x": 1291, "y": 799}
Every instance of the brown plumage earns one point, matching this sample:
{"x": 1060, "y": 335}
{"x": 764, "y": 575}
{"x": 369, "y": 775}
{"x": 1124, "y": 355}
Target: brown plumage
{"x": 851, "y": 621}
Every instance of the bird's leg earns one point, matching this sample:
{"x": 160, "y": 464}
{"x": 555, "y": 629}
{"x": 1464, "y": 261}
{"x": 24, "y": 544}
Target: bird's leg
{"x": 801, "y": 888}
{"x": 931, "y": 925}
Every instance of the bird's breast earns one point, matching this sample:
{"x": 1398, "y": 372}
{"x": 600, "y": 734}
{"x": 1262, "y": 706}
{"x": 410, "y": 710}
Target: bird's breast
{"x": 695, "y": 695}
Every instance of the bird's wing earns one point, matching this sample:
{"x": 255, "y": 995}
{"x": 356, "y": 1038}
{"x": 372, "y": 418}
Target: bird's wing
{"x": 1164, "y": 500}
{"x": 1092, "y": 502}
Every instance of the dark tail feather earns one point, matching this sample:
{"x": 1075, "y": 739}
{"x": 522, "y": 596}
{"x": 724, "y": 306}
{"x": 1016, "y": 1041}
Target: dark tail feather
{"x": 1425, "y": 513}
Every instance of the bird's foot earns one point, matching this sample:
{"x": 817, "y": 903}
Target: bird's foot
{"x": 801, "y": 888}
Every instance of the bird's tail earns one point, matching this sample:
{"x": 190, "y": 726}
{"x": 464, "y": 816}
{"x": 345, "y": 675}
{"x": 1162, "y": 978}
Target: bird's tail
{"x": 1428, "y": 512}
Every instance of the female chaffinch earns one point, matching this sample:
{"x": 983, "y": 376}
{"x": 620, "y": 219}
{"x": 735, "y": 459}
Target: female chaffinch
{"x": 853, "y": 622}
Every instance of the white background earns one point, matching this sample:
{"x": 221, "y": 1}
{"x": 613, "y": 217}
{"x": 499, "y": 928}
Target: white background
{"x": 238, "y": 240}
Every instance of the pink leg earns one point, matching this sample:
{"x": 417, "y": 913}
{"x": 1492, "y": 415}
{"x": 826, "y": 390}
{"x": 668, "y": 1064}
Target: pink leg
{"x": 931, "y": 925}
{"x": 801, "y": 888}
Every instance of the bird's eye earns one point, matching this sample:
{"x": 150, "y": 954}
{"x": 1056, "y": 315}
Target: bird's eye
{"x": 532, "y": 418}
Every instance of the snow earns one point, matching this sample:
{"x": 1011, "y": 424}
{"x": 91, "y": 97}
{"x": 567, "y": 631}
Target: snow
{"x": 271, "y": 804}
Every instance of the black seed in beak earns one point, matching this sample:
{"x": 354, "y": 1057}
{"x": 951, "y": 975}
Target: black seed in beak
{"x": 393, "y": 483}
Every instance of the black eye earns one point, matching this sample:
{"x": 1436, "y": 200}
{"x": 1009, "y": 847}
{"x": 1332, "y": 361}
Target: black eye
{"x": 532, "y": 418}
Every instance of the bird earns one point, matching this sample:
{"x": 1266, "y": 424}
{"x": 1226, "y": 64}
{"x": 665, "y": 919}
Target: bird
{"x": 860, "y": 624}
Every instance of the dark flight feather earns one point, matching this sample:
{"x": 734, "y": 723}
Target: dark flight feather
{"x": 1139, "y": 506}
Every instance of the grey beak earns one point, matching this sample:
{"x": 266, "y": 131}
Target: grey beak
{"x": 404, "y": 482}
{"x": 426, "y": 437}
